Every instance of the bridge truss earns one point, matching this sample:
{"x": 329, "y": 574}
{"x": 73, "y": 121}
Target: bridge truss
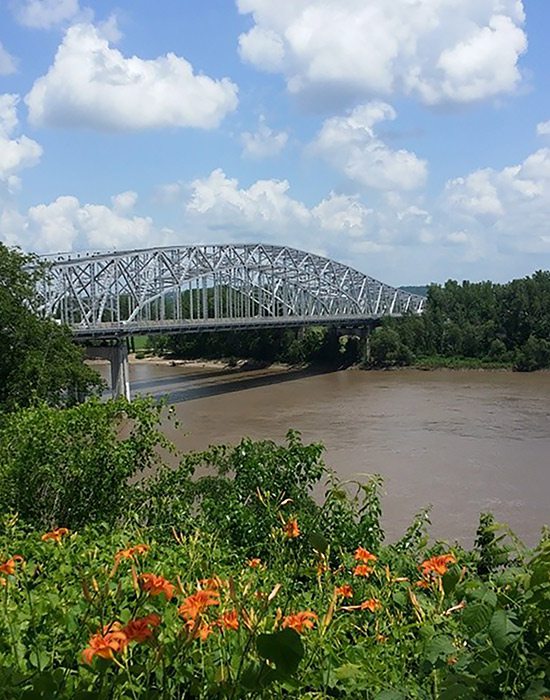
{"x": 211, "y": 287}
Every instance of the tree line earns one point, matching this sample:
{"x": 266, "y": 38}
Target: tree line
{"x": 466, "y": 324}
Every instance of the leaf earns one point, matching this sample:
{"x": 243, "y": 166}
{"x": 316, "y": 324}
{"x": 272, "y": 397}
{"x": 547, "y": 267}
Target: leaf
{"x": 390, "y": 695}
{"x": 318, "y": 542}
{"x": 439, "y": 647}
{"x": 477, "y": 616}
{"x": 502, "y": 630}
{"x": 450, "y": 579}
{"x": 284, "y": 649}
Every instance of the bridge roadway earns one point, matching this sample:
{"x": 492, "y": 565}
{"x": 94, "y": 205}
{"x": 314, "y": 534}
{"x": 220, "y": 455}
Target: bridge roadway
{"x": 190, "y": 289}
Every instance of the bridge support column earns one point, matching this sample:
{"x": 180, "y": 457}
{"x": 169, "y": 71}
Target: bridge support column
{"x": 117, "y": 354}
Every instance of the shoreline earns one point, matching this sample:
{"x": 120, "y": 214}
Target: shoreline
{"x": 251, "y": 365}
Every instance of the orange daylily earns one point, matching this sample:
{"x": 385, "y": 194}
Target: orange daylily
{"x": 131, "y": 552}
{"x": 9, "y": 566}
{"x": 372, "y": 604}
{"x": 363, "y": 555}
{"x": 437, "y": 565}
{"x": 345, "y": 591}
{"x": 112, "y": 640}
{"x": 229, "y": 620}
{"x": 362, "y": 570}
{"x": 55, "y": 535}
{"x": 194, "y": 605}
{"x": 156, "y": 585}
{"x": 300, "y": 621}
{"x": 291, "y": 529}
{"x": 212, "y": 584}
{"x": 142, "y": 628}
{"x": 422, "y": 584}
{"x": 254, "y": 563}
{"x": 199, "y": 631}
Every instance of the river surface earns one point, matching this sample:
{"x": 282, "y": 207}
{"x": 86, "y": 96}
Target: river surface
{"x": 463, "y": 441}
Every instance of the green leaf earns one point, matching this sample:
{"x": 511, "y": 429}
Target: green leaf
{"x": 438, "y": 648}
{"x": 318, "y": 542}
{"x": 502, "y": 630}
{"x": 284, "y": 649}
{"x": 450, "y": 579}
{"x": 390, "y": 695}
{"x": 477, "y": 616}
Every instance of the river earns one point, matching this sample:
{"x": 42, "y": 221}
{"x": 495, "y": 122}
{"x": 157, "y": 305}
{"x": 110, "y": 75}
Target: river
{"x": 463, "y": 441}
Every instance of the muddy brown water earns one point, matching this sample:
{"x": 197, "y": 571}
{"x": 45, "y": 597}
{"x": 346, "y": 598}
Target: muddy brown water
{"x": 463, "y": 441}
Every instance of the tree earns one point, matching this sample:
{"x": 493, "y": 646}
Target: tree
{"x": 38, "y": 360}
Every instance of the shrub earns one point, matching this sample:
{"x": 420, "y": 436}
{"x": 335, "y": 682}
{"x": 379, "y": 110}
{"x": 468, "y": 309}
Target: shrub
{"x": 71, "y": 466}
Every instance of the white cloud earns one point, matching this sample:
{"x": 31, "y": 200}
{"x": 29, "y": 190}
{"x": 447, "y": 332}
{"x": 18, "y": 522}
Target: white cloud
{"x": 93, "y": 85}
{"x": 7, "y": 62}
{"x": 441, "y": 51}
{"x": 67, "y": 225}
{"x": 506, "y": 209}
{"x": 124, "y": 202}
{"x": 350, "y": 144}
{"x": 543, "y": 129}
{"x": 267, "y": 211}
{"x": 263, "y": 143}
{"x": 16, "y": 153}
{"x": 45, "y": 14}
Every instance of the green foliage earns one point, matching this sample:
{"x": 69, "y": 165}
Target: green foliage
{"x": 38, "y": 360}
{"x": 472, "y": 325}
{"x": 71, "y": 466}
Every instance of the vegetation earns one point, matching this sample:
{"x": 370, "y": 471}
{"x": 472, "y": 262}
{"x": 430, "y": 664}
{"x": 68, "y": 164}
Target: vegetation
{"x": 224, "y": 578}
{"x": 38, "y": 360}
{"x": 464, "y": 326}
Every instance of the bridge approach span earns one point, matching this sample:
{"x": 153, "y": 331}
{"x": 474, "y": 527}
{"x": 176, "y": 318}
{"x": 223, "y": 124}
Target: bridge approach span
{"x": 211, "y": 287}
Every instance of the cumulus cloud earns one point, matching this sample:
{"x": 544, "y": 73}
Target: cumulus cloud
{"x": 92, "y": 85}
{"x": 350, "y": 144}
{"x": 66, "y": 225}
{"x": 508, "y": 208}
{"x": 16, "y": 153}
{"x": 267, "y": 211}
{"x": 264, "y": 142}
{"x": 7, "y": 62}
{"x": 45, "y": 14}
{"x": 543, "y": 129}
{"x": 440, "y": 51}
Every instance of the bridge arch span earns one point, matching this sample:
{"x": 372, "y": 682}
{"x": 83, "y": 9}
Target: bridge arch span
{"x": 208, "y": 287}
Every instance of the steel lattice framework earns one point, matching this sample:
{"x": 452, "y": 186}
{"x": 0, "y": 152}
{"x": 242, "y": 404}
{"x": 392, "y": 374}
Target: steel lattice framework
{"x": 211, "y": 287}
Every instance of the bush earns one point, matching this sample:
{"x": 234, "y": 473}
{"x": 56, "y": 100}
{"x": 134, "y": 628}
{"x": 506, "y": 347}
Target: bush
{"x": 69, "y": 467}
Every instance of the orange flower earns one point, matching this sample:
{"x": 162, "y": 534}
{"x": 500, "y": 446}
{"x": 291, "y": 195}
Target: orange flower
{"x": 198, "y": 630}
{"x": 422, "y": 584}
{"x": 362, "y": 570}
{"x": 212, "y": 584}
{"x": 229, "y": 620}
{"x": 300, "y": 621}
{"x": 437, "y": 565}
{"x": 155, "y": 585}
{"x": 55, "y": 535}
{"x": 9, "y": 566}
{"x": 112, "y": 640}
{"x": 196, "y": 604}
{"x": 371, "y": 604}
{"x": 363, "y": 555}
{"x": 131, "y": 552}
{"x": 345, "y": 591}
{"x": 291, "y": 529}
{"x": 254, "y": 563}
{"x": 142, "y": 628}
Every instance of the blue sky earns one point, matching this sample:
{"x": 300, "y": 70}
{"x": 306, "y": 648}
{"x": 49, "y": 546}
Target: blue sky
{"x": 408, "y": 139}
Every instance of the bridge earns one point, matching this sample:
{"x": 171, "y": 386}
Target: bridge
{"x": 188, "y": 289}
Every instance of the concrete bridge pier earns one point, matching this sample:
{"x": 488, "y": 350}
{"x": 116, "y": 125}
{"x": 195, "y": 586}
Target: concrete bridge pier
{"x": 117, "y": 354}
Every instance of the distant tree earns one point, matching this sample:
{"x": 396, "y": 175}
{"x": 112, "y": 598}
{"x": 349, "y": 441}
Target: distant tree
{"x": 387, "y": 350}
{"x": 38, "y": 360}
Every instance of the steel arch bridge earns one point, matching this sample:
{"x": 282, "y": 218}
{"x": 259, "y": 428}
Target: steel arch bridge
{"x": 211, "y": 287}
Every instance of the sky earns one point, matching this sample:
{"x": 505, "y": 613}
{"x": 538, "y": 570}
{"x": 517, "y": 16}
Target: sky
{"x": 409, "y": 139}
